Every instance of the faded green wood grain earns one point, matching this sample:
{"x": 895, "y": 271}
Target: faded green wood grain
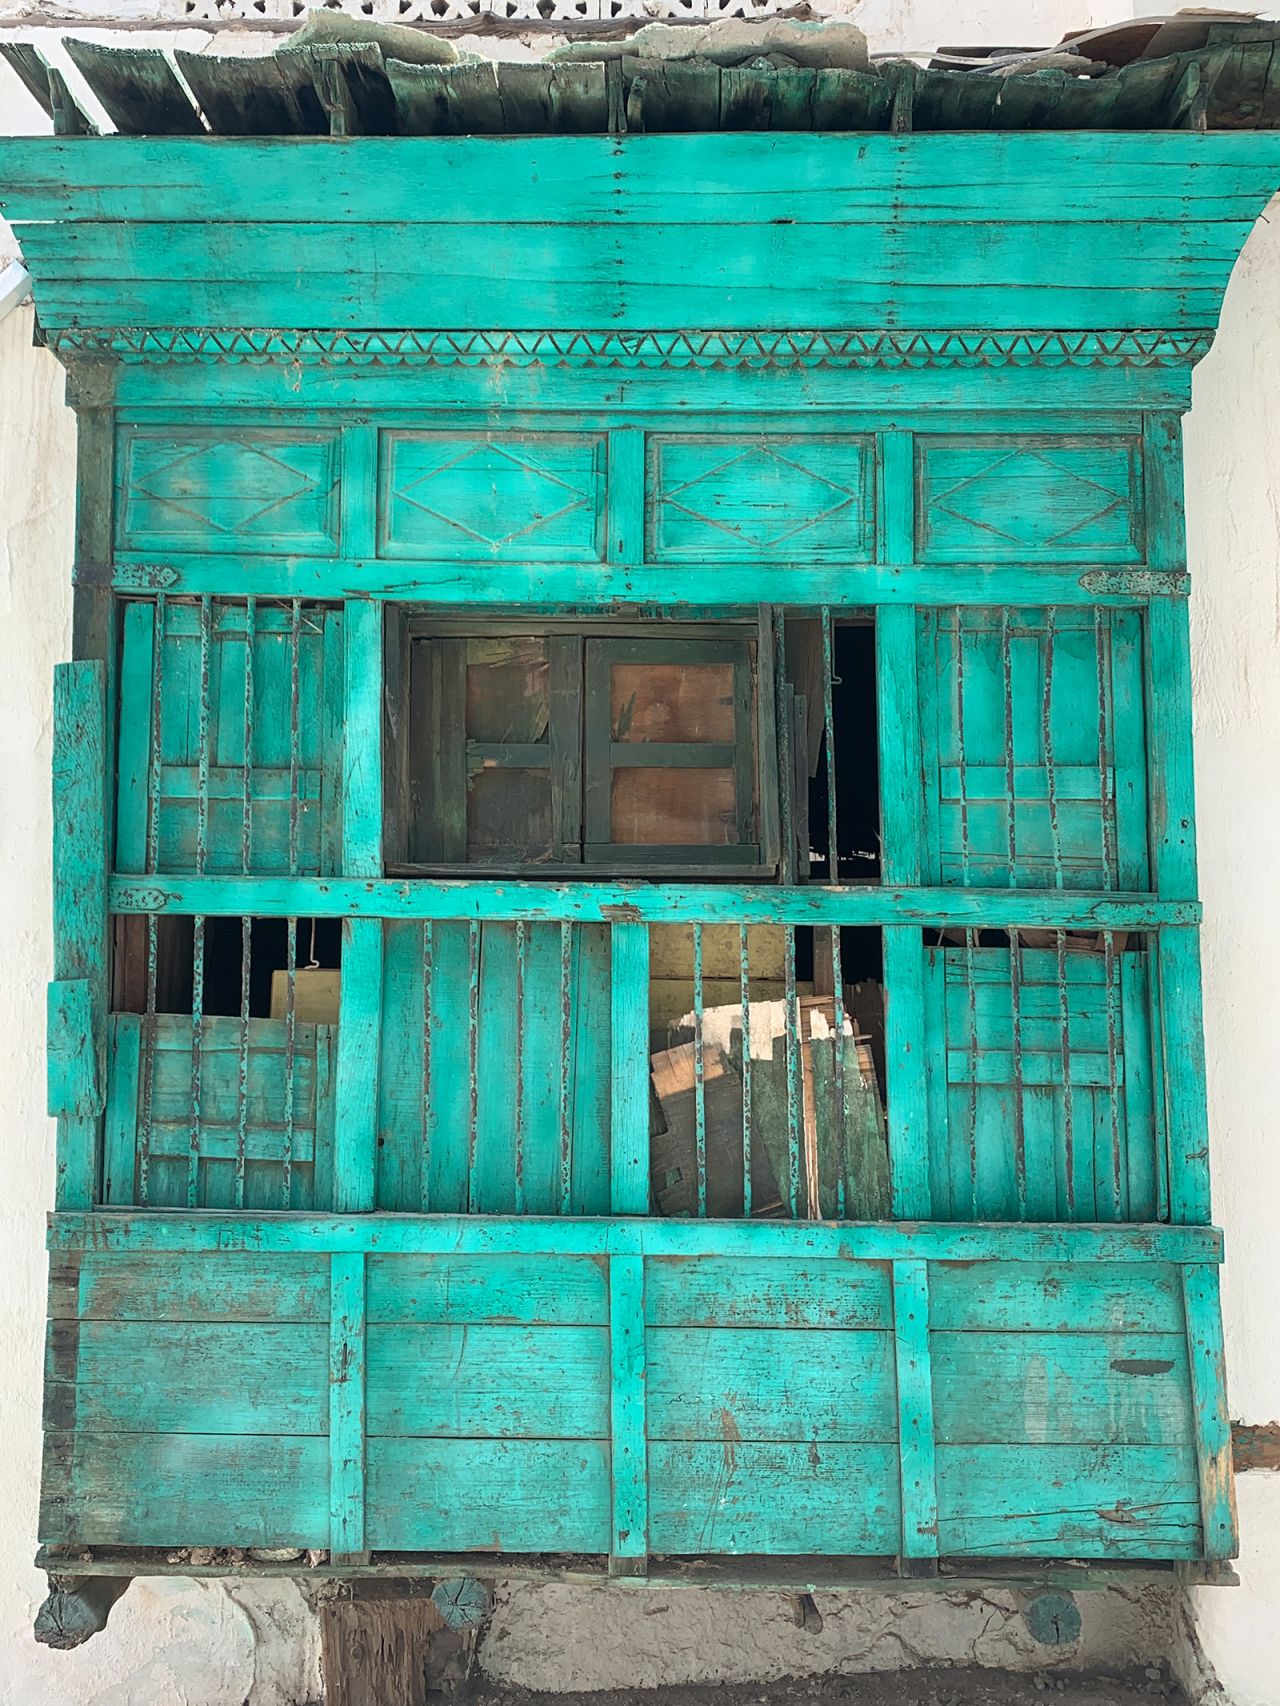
{"x": 348, "y": 1383}
{"x": 667, "y": 903}
{"x": 915, "y": 1384}
{"x": 647, "y": 1235}
{"x": 1209, "y": 1402}
{"x": 77, "y": 1074}
{"x": 629, "y": 1430}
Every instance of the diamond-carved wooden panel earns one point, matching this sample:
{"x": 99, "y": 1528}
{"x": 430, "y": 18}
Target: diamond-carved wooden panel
{"x": 492, "y": 495}
{"x": 260, "y": 491}
{"x": 761, "y": 499}
{"x": 1051, "y": 499}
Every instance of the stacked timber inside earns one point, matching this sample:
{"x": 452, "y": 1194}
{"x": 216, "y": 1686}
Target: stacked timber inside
{"x": 627, "y": 977}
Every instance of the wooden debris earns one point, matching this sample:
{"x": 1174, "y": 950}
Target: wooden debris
{"x": 76, "y": 1608}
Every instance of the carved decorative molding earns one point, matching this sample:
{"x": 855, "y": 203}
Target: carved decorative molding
{"x": 637, "y": 350}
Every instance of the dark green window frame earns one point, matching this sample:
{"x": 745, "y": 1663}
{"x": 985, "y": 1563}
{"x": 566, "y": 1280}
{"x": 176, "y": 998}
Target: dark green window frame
{"x": 432, "y": 757}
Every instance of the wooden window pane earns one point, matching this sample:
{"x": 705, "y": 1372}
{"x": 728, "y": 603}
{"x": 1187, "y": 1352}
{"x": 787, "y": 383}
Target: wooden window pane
{"x": 673, "y": 808}
{"x": 672, "y": 702}
{"x": 509, "y": 815}
{"x": 508, "y": 689}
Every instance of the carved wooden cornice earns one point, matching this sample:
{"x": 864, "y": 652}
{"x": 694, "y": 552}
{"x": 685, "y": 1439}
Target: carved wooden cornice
{"x": 894, "y": 349}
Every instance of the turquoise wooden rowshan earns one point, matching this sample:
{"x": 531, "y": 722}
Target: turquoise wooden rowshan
{"x": 382, "y": 1280}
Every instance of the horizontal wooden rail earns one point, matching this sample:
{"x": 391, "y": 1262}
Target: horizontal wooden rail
{"x": 448, "y": 1234}
{"x": 716, "y": 587}
{"x": 645, "y": 903}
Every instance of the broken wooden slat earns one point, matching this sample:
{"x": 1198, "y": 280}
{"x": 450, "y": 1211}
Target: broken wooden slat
{"x": 138, "y": 88}
{"x": 446, "y": 100}
{"x": 567, "y": 99}
{"x": 268, "y": 95}
{"x": 47, "y": 86}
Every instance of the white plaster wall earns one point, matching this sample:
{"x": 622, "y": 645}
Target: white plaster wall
{"x": 1233, "y": 525}
{"x": 184, "y": 1644}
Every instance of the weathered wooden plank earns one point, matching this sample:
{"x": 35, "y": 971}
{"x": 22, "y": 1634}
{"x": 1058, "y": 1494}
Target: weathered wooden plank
{"x": 1037, "y": 1501}
{"x": 348, "y": 1397}
{"x": 192, "y": 1377}
{"x": 1209, "y": 1405}
{"x": 898, "y": 724}
{"x": 488, "y": 1382}
{"x": 530, "y": 1235}
{"x": 631, "y": 902}
{"x": 770, "y": 1384}
{"x": 1181, "y": 1026}
{"x": 741, "y": 583}
{"x": 469, "y": 1291}
{"x": 906, "y": 1057}
{"x": 727, "y": 1495}
{"x": 1046, "y": 1388}
{"x": 629, "y": 1429}
{"x": 185, "y": 1490}
{"x": 233, "y": 1287}
{"x": 917, "y": 1469}
{"x": 362, "y": 733}
{"x": 710, "y": 1291}
{"x": 74, "y": 1089}
{"x": 1034, "y": 1297}
{"x": 732, "y": 178}
{"x": 267, "y": 94}
{"x": 1011, "y": 377}
{"x": 515, "y": 1495}
{"x": 137, "y": 87}
{"x": 80, "y": 917}
{"x": 1170, "y": 756}
{"x": 356, "y": 1087}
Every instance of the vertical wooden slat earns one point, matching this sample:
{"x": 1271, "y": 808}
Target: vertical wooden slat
{"x": 360, "y": 999}
{"x": 1068, "y": 1091}
{"x": 474, "y": 948}
{"x": 1046, "y": 735}
{"x": 916, "y": 1454}
{"x": 80, "y": 908}
{"x": 1106, "y": 749}
{"x": 897, "y": 497}
{"x": 630, "y": 1542}
{"x": 521, "y": 931}
{"x": 120, "y": 1128}
{"x": 357, "y": 492}
{"x": 629, "y": 1069}
{"x": 93, "y": 605}
{"x": 1182, "y": 1054}
{"x": 428, "y": 995}
{"x": 795, "y": 1073}
{"x": 767, "y": 724}
{"x": 744, "y": 990}
{"x": 898, "y": 713}
{"x": 134, "y": 744}
{"x": 290, "y": 1057}
{"x": 1209, "y": 1406}
{"x": 906, "y": 1063}
{"x": 1164, "y": 512}
{"x": 362, "y": 753}
{"x": 356, "y": 1087}
{"x": 1170, "y": 759}
{"x": 564, "y": 1109}
{"x": 699, "y": 1076}
{"x": 1019, "y": 1092}
{"x": 197, "y": 1060}
{"x": 346, "y": 1408}
{"x": 1010, "y": 767}
{"x": 626, "y": 502}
